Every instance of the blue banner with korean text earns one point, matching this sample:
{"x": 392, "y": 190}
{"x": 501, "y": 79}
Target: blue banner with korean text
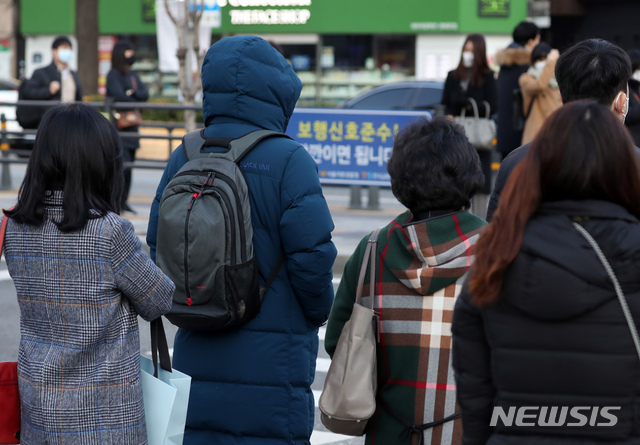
{"x": 351, "y": 147}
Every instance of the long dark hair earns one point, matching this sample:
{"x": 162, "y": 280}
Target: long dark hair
{"x": 480, "y": 66}
{"x": 78, "y": 151}
{"x": 118, "y": 60}
{"x": 581, "y": 152}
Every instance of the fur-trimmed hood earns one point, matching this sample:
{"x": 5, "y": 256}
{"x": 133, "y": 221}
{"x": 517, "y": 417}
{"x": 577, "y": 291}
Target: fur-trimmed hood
{"x": 513, "y": 56}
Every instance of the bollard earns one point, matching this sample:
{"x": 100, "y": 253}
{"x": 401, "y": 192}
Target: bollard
{"x": 374, "y": 198}
{"x": 355, "y": 202}
{"x": 4, "y": 147}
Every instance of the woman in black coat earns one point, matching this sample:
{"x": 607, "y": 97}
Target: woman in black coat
{"x": 125, "y": 85}
{"x": 542, "y": 352}
{"x": 473, "y": 79}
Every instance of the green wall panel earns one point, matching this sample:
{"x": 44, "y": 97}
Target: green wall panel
{"x": 123, "y": 17}
{"x": 312, "y": 16}
{"x": 48, "y": 16}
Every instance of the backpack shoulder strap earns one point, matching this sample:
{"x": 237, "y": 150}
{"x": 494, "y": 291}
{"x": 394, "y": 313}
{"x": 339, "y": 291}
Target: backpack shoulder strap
{"x": 239, "y": 147}
{"x": 192, "y": 143}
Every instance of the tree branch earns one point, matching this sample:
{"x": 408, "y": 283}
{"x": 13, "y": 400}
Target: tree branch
{"x": 171, "y": 16}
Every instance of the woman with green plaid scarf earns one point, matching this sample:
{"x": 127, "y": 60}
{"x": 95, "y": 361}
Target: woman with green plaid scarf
{"x": 422, "y": 257}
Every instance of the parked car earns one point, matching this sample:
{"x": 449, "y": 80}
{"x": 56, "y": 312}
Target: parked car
{"x": 410, "y": 95}
{"x": 9, "y": 93}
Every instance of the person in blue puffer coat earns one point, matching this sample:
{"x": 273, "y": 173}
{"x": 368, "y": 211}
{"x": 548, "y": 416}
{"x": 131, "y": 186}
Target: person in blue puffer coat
{"x": 252, "y": 385}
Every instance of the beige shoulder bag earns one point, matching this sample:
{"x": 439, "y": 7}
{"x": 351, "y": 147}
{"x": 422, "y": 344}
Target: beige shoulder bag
{"x": 348, "y": 399}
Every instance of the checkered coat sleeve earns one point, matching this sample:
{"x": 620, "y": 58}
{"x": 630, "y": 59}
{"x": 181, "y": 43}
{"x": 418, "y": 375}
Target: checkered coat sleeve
{"x": 79, "y": 295}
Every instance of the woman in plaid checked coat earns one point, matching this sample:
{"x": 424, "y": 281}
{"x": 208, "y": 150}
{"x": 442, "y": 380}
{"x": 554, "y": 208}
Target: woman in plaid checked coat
{"x": 423, "y": 255}
{"x": 82, "y": 279}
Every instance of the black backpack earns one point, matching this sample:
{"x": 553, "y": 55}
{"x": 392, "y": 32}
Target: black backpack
{"x": 518, "y": 117}
{"x": 205, "y": 236}
{"x": 28, "y": 116}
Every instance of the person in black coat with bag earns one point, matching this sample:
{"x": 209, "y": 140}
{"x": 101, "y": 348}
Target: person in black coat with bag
{"x": 125, "y": 85}
{"x": 542, "y": 350}
{"x": 473, "y": 79}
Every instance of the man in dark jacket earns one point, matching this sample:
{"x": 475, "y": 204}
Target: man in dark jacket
{"x": 513, "y": 61}
{"x": 252, "y": 385}
{"x": 55, "y": 82}
{"x": 591, "y": 69}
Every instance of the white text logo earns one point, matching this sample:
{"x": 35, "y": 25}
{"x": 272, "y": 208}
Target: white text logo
{"x": 555, "y": 416}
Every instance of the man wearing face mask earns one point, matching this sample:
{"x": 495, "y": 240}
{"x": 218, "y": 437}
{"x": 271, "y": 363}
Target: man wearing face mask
{"x": 592, "y": 69}
{"x": 56, "y": 81}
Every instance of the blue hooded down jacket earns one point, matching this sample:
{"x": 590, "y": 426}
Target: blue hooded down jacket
{"x": 252, "y": 385}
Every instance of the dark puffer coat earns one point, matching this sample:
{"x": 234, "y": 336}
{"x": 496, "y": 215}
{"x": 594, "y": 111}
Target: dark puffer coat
{"x": 252, "y": 385}
{"x": 558, "y": 336}
{"x": 513, "y": 62}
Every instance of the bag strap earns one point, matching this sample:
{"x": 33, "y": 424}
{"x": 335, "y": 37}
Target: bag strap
{"x": 194, "y": 141}
{"x": 134, "y": 83}
{"x": 369, "y": 255}
{"x": 616, "y": 285}
{"x": 411, "y": 429}
{"x": 3, "y": 230}
{"x": 530, "y": 107}
{"x": 273, "y": 274}
{"x": 159, "y": 345}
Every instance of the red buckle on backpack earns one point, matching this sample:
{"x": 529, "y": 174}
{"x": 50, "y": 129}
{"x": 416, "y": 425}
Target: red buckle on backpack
{"x": 189, "y": 301}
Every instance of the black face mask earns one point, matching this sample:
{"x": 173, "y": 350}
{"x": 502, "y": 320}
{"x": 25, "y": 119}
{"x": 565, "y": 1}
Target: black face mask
{"x": 130, "y": 60}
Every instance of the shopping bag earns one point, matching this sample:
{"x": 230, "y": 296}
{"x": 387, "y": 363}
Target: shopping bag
{"x": 9, "y": 394}
{"x": 9, "y": 403}
{"x": 165, "y": 393}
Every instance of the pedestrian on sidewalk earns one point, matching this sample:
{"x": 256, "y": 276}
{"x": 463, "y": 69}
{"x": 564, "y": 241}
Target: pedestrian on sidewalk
{"x": 422, "y": 256}
{"x": 473, "y": 79}
{"x": 540, "y": 93}
{"x": 125, "y": 85}
{"x": 513, "y": 61}
{"x": 540, "y": 329}
{"x": 82, "y": 279}
{"x": 252, "y": 385}
{"x": 54, "y": 82}
{"x": 591, "y": 69}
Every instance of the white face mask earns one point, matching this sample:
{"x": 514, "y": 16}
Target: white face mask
{"x": 467, "y": 59}
{"x": 65, "y": 55}
{"x": 540, "y": 65}
{"x": 626, "y": 107}
{"x": 636, "y": 75}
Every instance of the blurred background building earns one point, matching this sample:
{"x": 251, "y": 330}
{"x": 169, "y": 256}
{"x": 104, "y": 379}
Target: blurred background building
{"x": 337, "y": 47}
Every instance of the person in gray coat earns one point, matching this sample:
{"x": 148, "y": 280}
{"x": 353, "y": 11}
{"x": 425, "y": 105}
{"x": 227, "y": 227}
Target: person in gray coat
{"x": 81, "y": 279}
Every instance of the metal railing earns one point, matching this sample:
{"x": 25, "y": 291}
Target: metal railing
{"x": 108, "y": 107}
{"x": 23, "y": 137}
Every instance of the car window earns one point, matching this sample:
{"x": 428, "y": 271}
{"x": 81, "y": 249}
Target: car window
{"x": 428, "y": 97}
{"x": 394, "y": 99}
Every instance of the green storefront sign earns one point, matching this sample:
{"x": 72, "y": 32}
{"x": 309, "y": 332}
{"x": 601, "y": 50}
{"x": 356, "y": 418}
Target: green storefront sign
{"x": 292, "y": 16}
